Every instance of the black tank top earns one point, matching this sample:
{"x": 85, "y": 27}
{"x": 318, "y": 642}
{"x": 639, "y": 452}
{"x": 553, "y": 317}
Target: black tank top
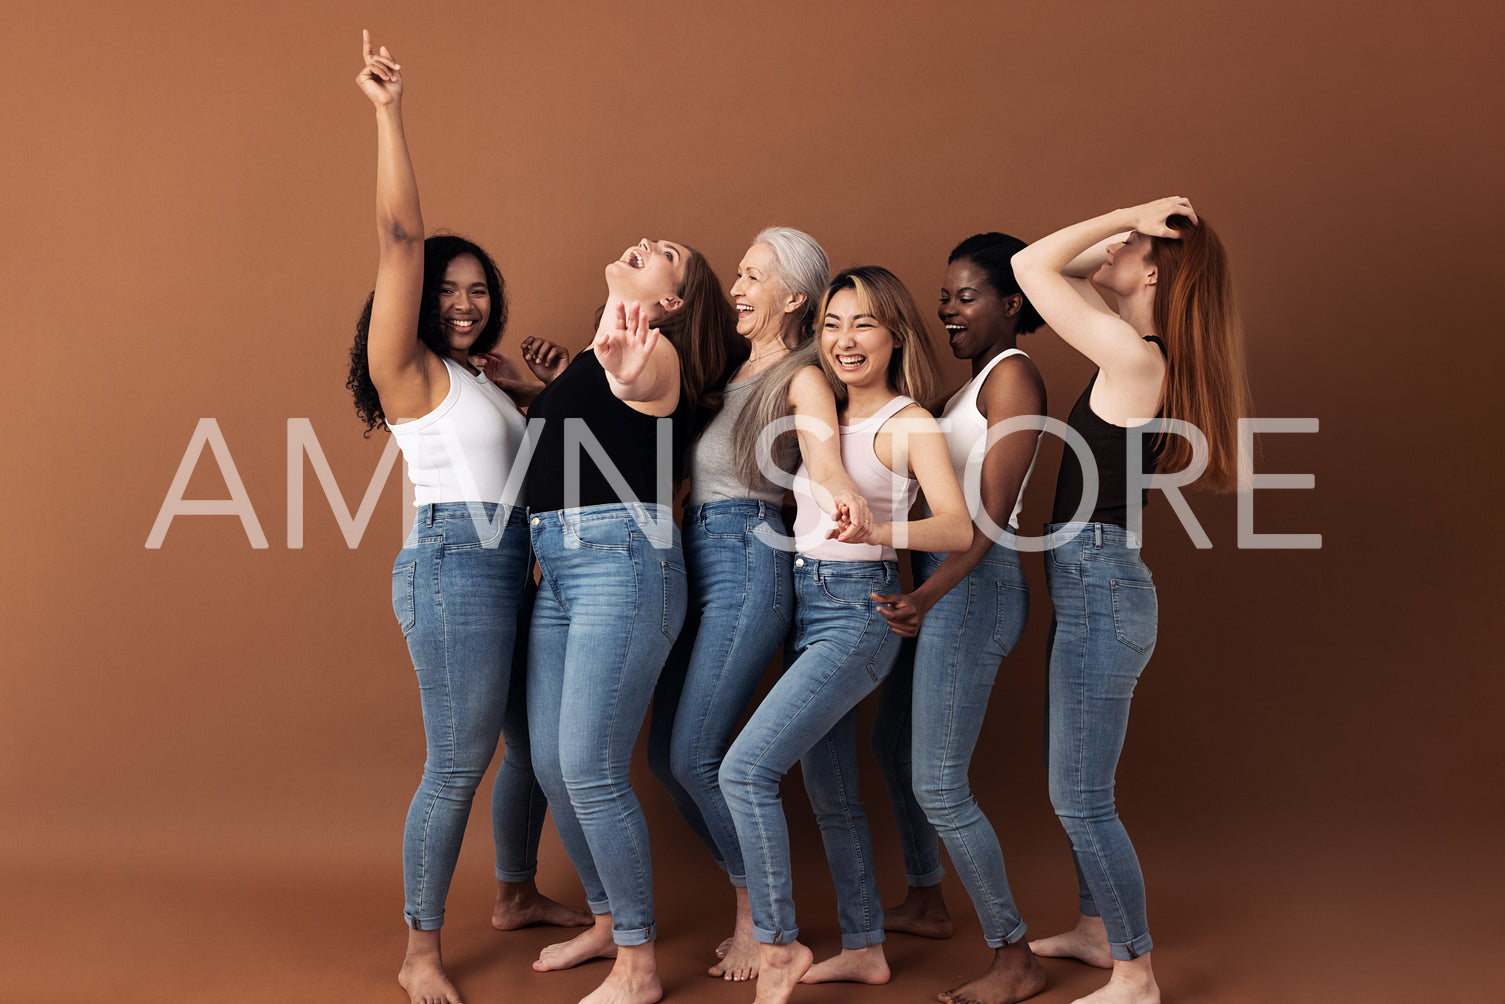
{"x": 627, "y": 436}
{"x": 1110, "y": 445}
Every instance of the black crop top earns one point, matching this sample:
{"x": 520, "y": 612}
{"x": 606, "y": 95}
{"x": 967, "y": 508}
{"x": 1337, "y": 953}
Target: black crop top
{"x": 1110, "y": 445}
{"x": 627, "y": 436}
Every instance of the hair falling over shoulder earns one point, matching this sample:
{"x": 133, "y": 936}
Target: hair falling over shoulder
{"x": 1206, "y": 381}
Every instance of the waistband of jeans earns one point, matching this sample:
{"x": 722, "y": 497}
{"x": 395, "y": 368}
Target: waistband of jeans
{"x": 428, "y": 512}
{"x": 734, "y": 507}
{"x": 820, "y": 567}
{"x": 1097, "y": 534}
{"x": 641, "y": 511}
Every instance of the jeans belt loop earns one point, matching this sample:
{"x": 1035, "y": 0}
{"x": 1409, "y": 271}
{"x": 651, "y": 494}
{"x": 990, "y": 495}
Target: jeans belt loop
{"x": 431, "y": 514}
{"x": 1097, "y": 530}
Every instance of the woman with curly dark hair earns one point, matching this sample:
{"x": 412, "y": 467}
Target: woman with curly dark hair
{"x": 458, "y": 581}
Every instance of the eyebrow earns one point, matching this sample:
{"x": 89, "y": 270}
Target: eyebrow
{"x": 855, "y": 317}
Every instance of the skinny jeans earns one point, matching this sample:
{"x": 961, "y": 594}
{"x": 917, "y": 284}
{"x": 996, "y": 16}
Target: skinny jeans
{"x": 1104, "y": 631}
{"x": 741, "y": 603}
{"x": 610, "y": 603}
{"x": 930, "y": 713}
{"x": 456, "y": 588}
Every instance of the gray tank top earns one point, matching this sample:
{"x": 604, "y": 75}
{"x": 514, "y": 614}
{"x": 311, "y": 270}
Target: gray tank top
{"x": 712, "y": 467}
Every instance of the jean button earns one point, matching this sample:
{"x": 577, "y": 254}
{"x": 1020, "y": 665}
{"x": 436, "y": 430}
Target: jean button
{"x": 535, "y": 520}
{"x": 799, "y": 562}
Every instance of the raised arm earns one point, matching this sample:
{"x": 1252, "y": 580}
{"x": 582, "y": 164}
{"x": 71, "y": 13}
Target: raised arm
{"x": 641, "y": 367}
{"x": 813, "y": 404}
{"x": 397, "y": 359}
{"x": 1044, "y": 267}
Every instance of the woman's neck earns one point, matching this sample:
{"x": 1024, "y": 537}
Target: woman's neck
{"x": 763, "y": 350}
{"x": 997, "y": 349}
{"x": 865, "y": 402}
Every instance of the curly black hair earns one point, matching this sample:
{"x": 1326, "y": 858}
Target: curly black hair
{"x": 991, "y": 253}
{"x": 438, "y": 251}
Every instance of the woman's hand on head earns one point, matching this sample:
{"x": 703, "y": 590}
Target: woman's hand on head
{"x": 381, "y": 76}
{"x": 545, "y": 358}
{"x": 624, "y": 343}
{"x": 1151, "y": 218}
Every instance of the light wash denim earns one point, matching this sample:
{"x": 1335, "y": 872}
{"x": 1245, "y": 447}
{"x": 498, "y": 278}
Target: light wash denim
{"x": 741, "y": 603}
{"x": 1102, "y": 637}
{"x": 930, "y": 714}
{"x": 609, "y": 606}
{"x": 845, "y": 649}
{"x": 456, "y": 589}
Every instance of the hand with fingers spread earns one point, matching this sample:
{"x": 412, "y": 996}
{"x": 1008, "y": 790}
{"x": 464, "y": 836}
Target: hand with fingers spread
{"x": 381, "y": 76}
{"x": 545, "y": 358}
{"x": 1151, "y": 218}
{"x": 624, "y": 343}
{"x": 905, "y": 612}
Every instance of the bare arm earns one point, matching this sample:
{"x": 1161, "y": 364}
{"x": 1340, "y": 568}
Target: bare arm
{"x": 1041, "y": 269}
{"x": 948, "y": 527}
{"x": 641, "y": 367}
{"x": 834, "y": 490}
{"x": 1013, "y": 388}
{"x": 397, "y": 359}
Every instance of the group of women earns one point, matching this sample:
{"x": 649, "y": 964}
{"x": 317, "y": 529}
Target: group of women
{"x": 628, "y": 607}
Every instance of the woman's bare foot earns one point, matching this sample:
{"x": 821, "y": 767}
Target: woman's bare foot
{"x": 738, "y": 954}
{"x": 520, "y": 904}
{"x": 633, "y": 979}
{"x": 923, "y": 912}
{"x": 1014, "y": 975}
{"x": 1132, "y": 982}
{"x": 779, "y": 970}
{"x": 422, "y": 973}
{"x": 853, "y": 965}
{"x": 1088, "y": 942}
{"x": 593, "y": 943}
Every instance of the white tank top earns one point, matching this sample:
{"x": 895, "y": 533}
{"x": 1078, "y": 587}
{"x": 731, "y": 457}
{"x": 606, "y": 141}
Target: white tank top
{"x": 966, "y": 434}
{"x": 890, "y": 496}
{"x": 463, "y": 450}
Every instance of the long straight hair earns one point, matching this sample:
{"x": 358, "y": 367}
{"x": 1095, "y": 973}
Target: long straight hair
{"x": 704, "y": 333}
{"x": 1206, "y": 382}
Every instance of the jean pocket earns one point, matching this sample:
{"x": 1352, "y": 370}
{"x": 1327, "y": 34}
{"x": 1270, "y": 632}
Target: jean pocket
{"x": 725, "y": 525}
{"x": 675, "y": 599}
{"x": 851, "y": 590}
{"x": 1010, "y": 613}
{"x": 403, "y": 577}
{"x": 1136, "y": 613}
{"x": 611, "y": 534}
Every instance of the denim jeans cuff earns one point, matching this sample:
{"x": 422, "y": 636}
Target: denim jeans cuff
{"x": 764, "y": 936}
{"x": 1133, "y": 949}
{"x": 854, "y": 942}
{"x": 930, "y": 878}
{"x": 634, "y": 935}
{"x": 598, "y": 906}
{"x": 1012, "y": 938}
{"x": 423, "y": 923}
{"x": 1088, "y": 908}
{"x": 502, "y": 875}
{"x": 738, "y": 881}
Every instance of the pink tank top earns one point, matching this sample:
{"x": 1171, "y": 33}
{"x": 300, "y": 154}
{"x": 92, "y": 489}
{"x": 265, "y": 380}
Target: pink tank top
{"x": 890, "y": 496}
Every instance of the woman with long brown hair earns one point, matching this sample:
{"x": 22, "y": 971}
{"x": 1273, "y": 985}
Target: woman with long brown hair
{"x": 1173, "y": 349}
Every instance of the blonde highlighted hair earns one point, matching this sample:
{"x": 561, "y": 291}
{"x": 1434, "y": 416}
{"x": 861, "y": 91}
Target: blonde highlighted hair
{"x": 912, "y": 370}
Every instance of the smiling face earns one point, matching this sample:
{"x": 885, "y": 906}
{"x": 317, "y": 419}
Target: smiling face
{"x": 650, "y": 273}
{"x": 853, "y": 344}
{"x": 979, "y": 322}
{"x": 464, "y": 301}
{"x": 763, "y": 305}
{"x": 1128, "y": 268}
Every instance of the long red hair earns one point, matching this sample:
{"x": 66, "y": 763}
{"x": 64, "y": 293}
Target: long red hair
{"x": 1206, "y": 380}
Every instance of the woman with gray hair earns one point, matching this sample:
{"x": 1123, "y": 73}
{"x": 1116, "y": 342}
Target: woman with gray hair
{"x": 737, "y": 551}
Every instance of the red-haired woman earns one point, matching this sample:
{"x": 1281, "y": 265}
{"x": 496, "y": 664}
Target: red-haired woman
{"x": 1173, "y": 350}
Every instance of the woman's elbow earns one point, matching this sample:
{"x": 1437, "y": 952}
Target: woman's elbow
{"x": 957, "y": 531}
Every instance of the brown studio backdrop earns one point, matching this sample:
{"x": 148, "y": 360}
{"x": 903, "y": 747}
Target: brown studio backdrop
{"x": 207, "y": 724}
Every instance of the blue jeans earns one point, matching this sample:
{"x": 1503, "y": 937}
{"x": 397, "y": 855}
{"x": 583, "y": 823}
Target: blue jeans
{"x": 609, "y": 606}
{"x": 930, "y": 714}
{"x": 741, "y": 602}
{"x": 845, "y": 649}
{"x": 456, "y": 587}
{"x": 1102, "y": 637}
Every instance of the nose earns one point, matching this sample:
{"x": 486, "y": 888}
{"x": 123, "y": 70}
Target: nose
{"x": 739, "y": 286}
